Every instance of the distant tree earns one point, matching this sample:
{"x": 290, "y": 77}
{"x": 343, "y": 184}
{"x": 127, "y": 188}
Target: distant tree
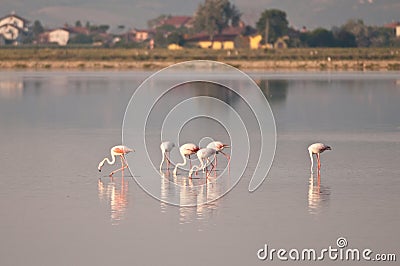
{"x": 99, "y": 28}
{"x": 379, "y": 36}
{"x": 37, "y": 28}
{"x": 160, "y": 40}
{"x": 321, "y": 38}
{"x": 87, "y": 25}
{"x": 294, "y": 38}
{"x": 272, "y": 24}
{"x": 214, "y": 16}
{"x": 359, "y": 30}
{"x": 344, "y": 38}
{"x": 249, "y": 30}
{"x": 176, "y": 38}
{"x": 78, "y": 23}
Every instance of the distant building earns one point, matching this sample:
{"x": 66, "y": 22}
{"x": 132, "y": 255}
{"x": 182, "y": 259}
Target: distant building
{"x": 395, "y": 26}
{"x": 59, "y": 36}
{"x": 174, "y": 46}
{"x": 13, "y": 28}
{"x": 225, "y": 40}
{"x": 16, "y": 21}
{"x": 143, "y": 35}
{"x": 255, "y": 41}
{"x": 178, "y": 21}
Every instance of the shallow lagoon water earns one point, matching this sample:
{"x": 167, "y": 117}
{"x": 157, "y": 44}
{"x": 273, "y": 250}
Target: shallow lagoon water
{"x": 58, "y": 210}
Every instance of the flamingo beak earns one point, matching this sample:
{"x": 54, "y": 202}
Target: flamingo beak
{"x": 226, "y": 146}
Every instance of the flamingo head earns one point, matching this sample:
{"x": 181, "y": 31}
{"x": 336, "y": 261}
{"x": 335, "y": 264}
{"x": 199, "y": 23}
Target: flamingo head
{"x": 100, "y": 166}
{"x": 328, "y": 148}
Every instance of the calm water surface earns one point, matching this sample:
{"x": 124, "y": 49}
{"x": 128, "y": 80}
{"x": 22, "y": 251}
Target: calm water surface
{"x": 58, "y": 210}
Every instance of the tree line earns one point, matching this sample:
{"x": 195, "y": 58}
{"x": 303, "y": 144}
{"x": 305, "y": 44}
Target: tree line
{"x": 214, "y": 16}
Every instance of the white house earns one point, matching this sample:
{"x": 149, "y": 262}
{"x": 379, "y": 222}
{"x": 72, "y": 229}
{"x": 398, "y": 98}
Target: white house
{"x": 59, "y": 36}
{"x": 13, "y": 28}
{"x": 10, "y": 32}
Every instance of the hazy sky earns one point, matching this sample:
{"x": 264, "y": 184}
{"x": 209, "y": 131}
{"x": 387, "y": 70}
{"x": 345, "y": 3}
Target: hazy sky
{"x": 135, "y": 13}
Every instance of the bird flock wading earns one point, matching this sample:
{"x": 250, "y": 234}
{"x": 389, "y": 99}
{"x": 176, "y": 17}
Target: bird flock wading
{"x": 204, "y": 155}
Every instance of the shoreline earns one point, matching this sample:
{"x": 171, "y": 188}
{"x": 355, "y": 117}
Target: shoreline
{"x": 344, "y": 65}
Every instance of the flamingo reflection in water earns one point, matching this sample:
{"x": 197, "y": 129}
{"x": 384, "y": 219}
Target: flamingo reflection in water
{"x": 317, "y": 194}
{"x": 116, "y": 194}
{"x": 192, "y": 195}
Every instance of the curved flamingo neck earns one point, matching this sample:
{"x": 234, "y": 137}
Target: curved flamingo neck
{"x": 198, "y": 167}
{"x": 108, "y": 161}
{"x": 180, "y": 164}
{"x": 183, "y": 163}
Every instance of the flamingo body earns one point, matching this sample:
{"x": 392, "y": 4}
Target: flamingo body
{"x": 219, "y": 146}
{"x": 186, "y": 150}
{"x": 166, "y": 148}
{"x": 203, "y": 155}
{"x": 317, "y": 148}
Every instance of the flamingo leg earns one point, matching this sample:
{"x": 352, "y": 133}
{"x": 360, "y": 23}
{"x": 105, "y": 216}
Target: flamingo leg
{"x": 319, "y": 178}
{"x": 213, "y": 166}
{"x": 312, "y": 162}
{"x": 227, "y": 156}
{"x": 162, "y": 160}
{"x": 168, "y": 161}
{"x": 319, "y": 161}
{"x": 120, "y": 169}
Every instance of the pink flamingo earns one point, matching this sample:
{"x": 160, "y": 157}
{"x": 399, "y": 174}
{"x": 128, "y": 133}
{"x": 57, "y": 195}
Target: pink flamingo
{"x": 166, "y": 148}
{"x": 203, "y": 154}
{"x": 119, "y": 150}
{"x": 219, "y": 146}
{"x": 317, "y": 148}
{"x": 186, "y": 150}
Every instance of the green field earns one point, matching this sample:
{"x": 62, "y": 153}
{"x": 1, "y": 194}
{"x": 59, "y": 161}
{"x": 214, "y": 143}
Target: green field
{"x": 20, "y": 56}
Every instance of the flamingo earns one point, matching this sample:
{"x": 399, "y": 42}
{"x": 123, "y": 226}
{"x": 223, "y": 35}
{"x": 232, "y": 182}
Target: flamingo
{"x": 219, "y": 146}
{"x": 119, "y": 150}
{"x": 317, "y": 148}
{"x": 186, "y": 150}
{"x": 203, "y": 154}
{"x": 166, "y": 147}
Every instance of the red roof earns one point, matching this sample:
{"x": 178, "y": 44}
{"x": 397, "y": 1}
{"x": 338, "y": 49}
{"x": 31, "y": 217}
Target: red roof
{"x": 392, "y": 25}
{"x": 177, "y": 21}
{"x": 78, "y": 30}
